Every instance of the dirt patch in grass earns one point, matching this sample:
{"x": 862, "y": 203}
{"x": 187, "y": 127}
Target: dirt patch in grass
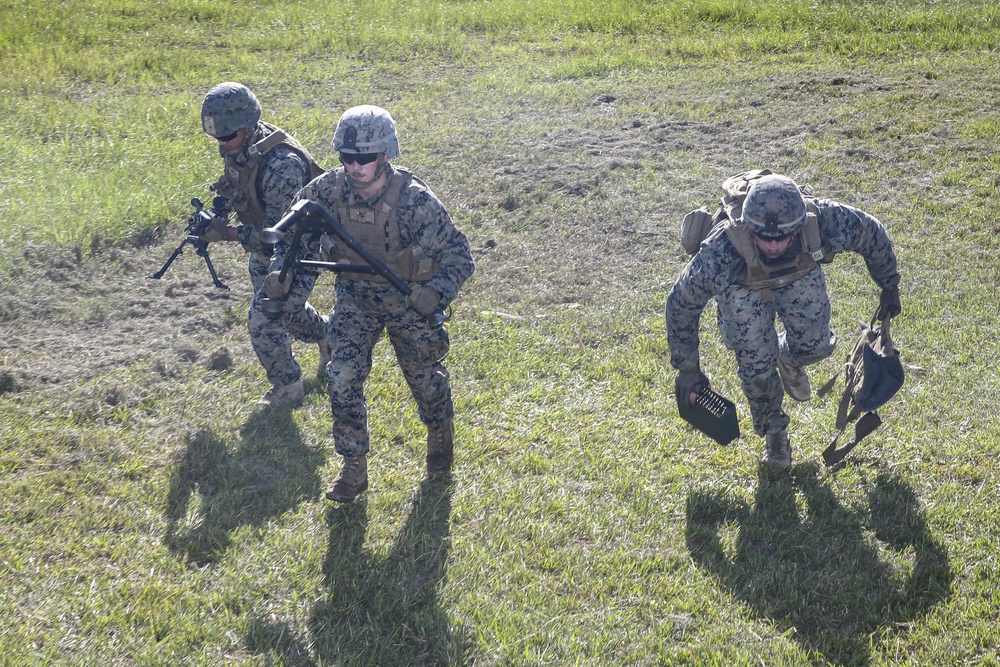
{"x": 66, "y": 321}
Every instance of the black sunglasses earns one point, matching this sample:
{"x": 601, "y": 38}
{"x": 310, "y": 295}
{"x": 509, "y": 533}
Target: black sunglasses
{"x": 364, "y": 158}
{"x": 776, "y": 238}
{"x": 228, "y": 137}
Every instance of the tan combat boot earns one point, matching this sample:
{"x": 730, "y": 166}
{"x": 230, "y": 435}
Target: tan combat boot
{"x": 352, "y": 480}
{"x": 278, "y": 396}
{"x": 441, "y": 447}
{"x": 794, "y": 379}
{"x": 778, "y": 449}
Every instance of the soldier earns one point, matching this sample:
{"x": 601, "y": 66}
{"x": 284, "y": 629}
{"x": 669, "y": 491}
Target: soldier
{"x": 763, "y": 264}
{"x": 264, "y": 169}
{"x": 398, "y": 219}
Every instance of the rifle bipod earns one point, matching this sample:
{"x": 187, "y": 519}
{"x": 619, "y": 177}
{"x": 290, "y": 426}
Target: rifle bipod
{"x": 201, "y": 249}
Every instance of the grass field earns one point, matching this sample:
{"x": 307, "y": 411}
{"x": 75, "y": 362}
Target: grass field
{"x": 151, "y": 515}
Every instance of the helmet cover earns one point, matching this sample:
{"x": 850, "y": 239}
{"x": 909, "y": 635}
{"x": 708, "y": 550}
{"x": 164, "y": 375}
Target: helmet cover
{"x": 366, "y": 129}
{"x": 228, "y": 107}
{"x": 774, "y": 206}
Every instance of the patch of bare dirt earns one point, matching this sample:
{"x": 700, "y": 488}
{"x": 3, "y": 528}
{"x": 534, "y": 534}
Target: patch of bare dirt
{"x": 65, "y": 321}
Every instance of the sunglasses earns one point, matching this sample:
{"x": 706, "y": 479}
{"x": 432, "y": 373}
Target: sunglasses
{"x": 364, "y": 158}
{"x": 777, "y": 239}
{"x": 228, "y": 137}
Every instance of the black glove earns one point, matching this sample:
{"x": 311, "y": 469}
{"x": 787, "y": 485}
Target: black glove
{"x": 690, "y": 382}
{"x": 889, "y": 304}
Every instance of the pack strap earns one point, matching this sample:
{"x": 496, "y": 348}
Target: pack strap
{"x": 864, "y": 426}
{"x": 847, "y": 412}
{"x": 828, "y": 385}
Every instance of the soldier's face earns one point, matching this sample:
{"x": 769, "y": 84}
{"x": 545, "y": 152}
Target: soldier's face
{"x": 772, "y": 247}
{"x": 235, "y": 143}
{"x": 362, "y": 174}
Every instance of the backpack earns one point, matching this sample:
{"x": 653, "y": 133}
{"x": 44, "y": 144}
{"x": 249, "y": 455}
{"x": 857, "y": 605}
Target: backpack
{"x": 728, "y": 219}
{"x": 699, "y": 223}
{"x": 873, "y": 374}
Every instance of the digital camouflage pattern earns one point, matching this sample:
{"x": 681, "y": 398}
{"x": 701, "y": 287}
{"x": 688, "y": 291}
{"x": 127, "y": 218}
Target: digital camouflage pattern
{"x": 365, "y": 308}
{"x": 281, "y": 174}
{"x": 227, "y": 107}
{"x": 367, "y": 129}
{"x": 747, "y": 317}
{"x": 272, "y": 339}
{"x": 774, "y": 206}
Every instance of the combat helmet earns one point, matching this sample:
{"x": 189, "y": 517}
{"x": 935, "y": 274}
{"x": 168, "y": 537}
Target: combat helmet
{"x": 228, "y": 107}
{"x": 774, "y": 206}
{"x": 366, "y": 129}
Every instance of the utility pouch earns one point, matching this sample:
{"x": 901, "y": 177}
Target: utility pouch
{"x": 695, "y": 228}
{"x": 416, "y": 265}
{"x": 873, "y": 374}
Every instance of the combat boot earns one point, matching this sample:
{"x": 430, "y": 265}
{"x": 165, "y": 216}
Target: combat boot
{"x": 441, "y": 447}
{"x": 324, "y": 355}
{"x": 795, "y": 380}
{"x": 278, "y": 396}
{"x": 352, "y": 480}
{"x": 778, "y": 449}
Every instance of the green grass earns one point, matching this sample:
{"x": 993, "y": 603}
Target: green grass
{"x": 150, "y": 515}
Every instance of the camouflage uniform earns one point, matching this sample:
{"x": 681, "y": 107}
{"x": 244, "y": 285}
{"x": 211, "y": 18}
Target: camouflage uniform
{"x": 282, "y": 172}
{"x": 367, "y": 305}
{"x": 746, "y": 316}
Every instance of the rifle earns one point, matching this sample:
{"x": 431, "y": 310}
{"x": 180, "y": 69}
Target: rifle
{"x": 309, "y": 217}
{"x": 199, "y": 223}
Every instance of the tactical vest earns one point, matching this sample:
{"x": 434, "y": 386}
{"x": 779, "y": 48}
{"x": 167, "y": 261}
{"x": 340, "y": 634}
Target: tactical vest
{"x": 763, "y": 276}
{"x": 728, "y": 219}
{"x": 376, "y": 227}
{"x": 239, "y": 181}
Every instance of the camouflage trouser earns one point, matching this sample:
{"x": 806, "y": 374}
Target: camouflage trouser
{"x": 271, "y": 339}
{"x": 364, "y": 309}
{"x": 747, "y": 322}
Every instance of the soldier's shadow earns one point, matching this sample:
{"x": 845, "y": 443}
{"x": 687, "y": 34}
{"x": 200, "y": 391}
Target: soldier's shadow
{"x": 829, "y": 576}
{"x": 379, "y": 610}
{"x": 214, "y": 490}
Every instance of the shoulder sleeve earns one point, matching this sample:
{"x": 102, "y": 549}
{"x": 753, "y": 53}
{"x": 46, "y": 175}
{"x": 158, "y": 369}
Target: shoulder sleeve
{"x": 864, "y": 234}
{"x": 714, "y": 268}
{"x": 424, "y": 221}
{"x": 282, "y": 175}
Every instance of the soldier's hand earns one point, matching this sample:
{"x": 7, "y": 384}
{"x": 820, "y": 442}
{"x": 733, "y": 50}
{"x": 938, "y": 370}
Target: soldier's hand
{"x": 689, "y": 383}
{"x": 219, "y": 231}
{"x": 889, "y": 304}
{"x": 274, "y": 287}
{"x": 425, "y": 300}
{"x": 328, "y": 251}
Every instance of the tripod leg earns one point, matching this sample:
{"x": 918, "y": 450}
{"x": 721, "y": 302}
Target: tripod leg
{"x": 166, "y": 265}
{"x": 211, "y": 269}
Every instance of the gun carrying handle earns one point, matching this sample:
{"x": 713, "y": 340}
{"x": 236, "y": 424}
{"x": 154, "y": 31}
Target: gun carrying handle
{"x": 290, "y": 254}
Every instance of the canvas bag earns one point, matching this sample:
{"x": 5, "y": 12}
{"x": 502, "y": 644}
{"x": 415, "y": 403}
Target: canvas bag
{"x": 699, "y": 223}
{"x": 873, "y": 374}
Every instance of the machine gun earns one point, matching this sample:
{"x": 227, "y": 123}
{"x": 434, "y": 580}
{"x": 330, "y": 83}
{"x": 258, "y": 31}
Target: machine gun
{"x": 309, "y": 217}
{"x": 198, "y": 224}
